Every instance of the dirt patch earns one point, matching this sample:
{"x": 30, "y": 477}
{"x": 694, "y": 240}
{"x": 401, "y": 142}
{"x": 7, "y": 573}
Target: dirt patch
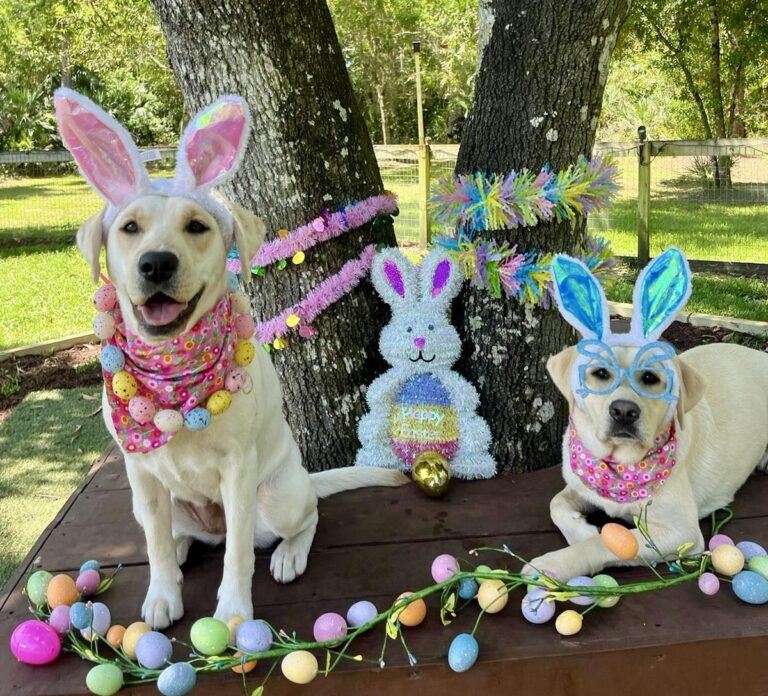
{"x": 684, "y": 336}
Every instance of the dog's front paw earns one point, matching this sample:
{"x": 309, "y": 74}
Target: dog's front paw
{"x": 231, "y": 605}
{"x": 163, "y": 604}
{"x": 561, "y": 565}
{"x": 289, "y": 559}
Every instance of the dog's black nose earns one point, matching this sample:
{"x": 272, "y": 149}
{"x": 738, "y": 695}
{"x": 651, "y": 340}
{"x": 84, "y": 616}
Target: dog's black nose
{"x": 624, "y": 412}
{"x": 158, "y": 266}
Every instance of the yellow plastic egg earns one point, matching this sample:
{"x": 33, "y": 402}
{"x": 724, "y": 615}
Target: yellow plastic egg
{"x": 219, "y": 401}
{"x": 414, "y": 613}
{"x": 492, "y": 596}
{"x": 115, "y": 635}
{"x": 244, "y": 352}
{"x": 619, "y": 541}
{"x": 292, "y": 320}
{"x": 569, "y": 623}
{"x": 232, "y": 625}
{"x": 727, "y": 559}
{"x": 298, "y": 257}
{"x": 299, "y": 667}
{"x": 61, "y": 590}
{"x": 124, "y": 385}
{"x": 131, "y": 636}
{"x": 243, "y": 667}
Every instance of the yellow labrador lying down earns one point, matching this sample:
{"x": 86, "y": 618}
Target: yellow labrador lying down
{"x": 166, "y": 247}
{"x": 683, "y": 431}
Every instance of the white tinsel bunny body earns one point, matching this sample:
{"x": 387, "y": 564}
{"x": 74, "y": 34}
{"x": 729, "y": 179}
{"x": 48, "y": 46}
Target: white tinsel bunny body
{"x": 421, "y": 404}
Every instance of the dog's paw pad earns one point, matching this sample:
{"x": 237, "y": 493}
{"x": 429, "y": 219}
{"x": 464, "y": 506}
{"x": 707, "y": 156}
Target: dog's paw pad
{"x": 289, "y": 560}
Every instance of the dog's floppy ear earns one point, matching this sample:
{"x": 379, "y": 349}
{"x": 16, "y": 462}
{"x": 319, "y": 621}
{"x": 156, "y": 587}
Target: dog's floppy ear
{"x": 559, "y": 367}
{"x": 692, "y": 388}
{"x": 249, "y": 235}
{"x": 89, "y": 239}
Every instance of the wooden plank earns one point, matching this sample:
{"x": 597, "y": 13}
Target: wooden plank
{"x": 46, "y": 156}
{"x": 425, "y": 219}
{"x": 644, "y": 203}
{"x": 48, "y": 347}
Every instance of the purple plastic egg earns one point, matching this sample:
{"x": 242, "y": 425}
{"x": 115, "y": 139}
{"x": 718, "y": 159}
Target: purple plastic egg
{"x": 329, "y": 626}
{"x": 102, "y": 620}
{"x": 582, "y": 581}
{"x": 361, "y": 613}
{"x": 253, "y": 636}
{"x": 719, "y": 540}
{"x": 35, "y": 643}
{"x": 750, "y": 549}
{"x": 444, "y": 567}
{"x": 88, "y": 582}
{"x": 709, "y": 583}
{"x": 153, "y": 650}
{"x": 59, "y": 619}
{"x": 535, "y": 608}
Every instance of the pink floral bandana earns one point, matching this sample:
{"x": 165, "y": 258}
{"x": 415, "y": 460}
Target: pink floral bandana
{"x": 624, "y": 483}
{"x": 179, "y": 374}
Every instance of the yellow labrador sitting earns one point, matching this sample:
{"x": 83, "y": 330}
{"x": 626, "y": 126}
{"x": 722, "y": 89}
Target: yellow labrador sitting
{"x": 683, "y": 431}
{"x": 166, "y": 246}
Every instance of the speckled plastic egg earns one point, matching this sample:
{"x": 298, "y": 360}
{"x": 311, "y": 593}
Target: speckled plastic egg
{"x": 468, "y": 588}
{"x": 209, "y": 636}
{"x": 142, "y": 410}
{"x": 177, "y": 679}
{"x": 168, "y": 421}
{"x": 619, "y": 541}
{"x": 236, "y": 379}
{"x": 37, "y": 586}
{"x": 727, "y": 559}
{"x": 414, "y": 613}
{"x": 492, "y": 596}
{"x": 124, "y": 385}
{"x": 218, "y": 402}
{"x": 245, "y": 666}
{"x": 80, "y": 615}
{"x": 115, "y": 635}
{"x": 759, "y": 565}
{"x": 105, "y": 298}
{"x": 244, "y": 325}
{"x": 253, "y": 636}
{"x": 240, "y": 303}
{"x": 197, "y": 419}
{"x": 750, "y": 587}
{"x": 444, "y": 567}
{"x": 719, "y": 540}
{"x": 244, "y": 352}
{"x": 153, "y": 650}
{"x": 463, "y": 652}
{"x": 750, "y": 549}
{"x": 329, "y": 626}
{"x": 61, "y": 590}
{"x": 361, "y": 613}
{"x": 104, "y": 326}
{"x": 603, "y": 580}
{"x": 582, "y": 581}
{"x": 569, "y": 623}
{"x": 299, "y": 667}
{"x": 232, "y": 282}
{"x": 88, "y": 582}
{"x": 112, "y": 359}
{"x": 535, "y": 608}
{"x": 131, "y": 636}
{"x": 104, "y": 680}
{"x": 59, "y": 619}
{"x": 102, "y": 619}
{"x": 709, "y": 583}
{"x": 90, "y": 565}
{"x": 34, "y": 642}
{"x": 232, "y": 625}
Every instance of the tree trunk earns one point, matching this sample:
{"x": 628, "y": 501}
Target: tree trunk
{"x": 723, "y": 169}
{"x": 309, "y": 150}
{"x": 382, "y": 114}
{"x": 538, "y": 97}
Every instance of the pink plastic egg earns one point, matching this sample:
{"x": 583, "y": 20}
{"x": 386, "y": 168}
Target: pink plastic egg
{"x": 35, "y": 643}
{"x": 142, "y": 410}
{"x": 330, "y": 626}
{"x": 88, "y": 582}
{"x": 236, "y": 379}
{"x": 59, "y": 619}
{"x": 103, "y": 326}
{"x": 168, "y": 421}
{"x": 105, "y": 298}
{"x": 719, "y": 540}
{"x": 709, "y": 583}
{"x": 245, "y": 326}
{"x": 444, "y": 567}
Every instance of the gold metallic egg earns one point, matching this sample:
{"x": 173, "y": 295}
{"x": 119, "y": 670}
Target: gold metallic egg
{"x": 432, "y": 473}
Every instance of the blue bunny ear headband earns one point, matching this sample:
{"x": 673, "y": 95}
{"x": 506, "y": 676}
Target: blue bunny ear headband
{"x": 661, "y": 291}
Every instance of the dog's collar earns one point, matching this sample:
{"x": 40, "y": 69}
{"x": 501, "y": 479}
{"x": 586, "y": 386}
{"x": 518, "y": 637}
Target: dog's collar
{"x": 623, "y": 483}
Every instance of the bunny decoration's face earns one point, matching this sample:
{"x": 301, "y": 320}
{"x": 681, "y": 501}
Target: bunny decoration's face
{"x": 424, "y": 341}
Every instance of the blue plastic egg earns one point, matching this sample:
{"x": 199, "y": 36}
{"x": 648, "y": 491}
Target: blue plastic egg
{"x": 112, "y": 360}
{"x": 582, "y": 581}
{"x": 80, "y": 615}
{"x": 750, "y": 587}
{"x": 361, "y": 613}
{"x": 468, "y": 588}
{"x": 535, "y": 608}
{"x": 253, "y": 637}
{"x": 102, "y": 620}
{"x": 90, "y": 565}
{"x": 177, "y": 679}
{"x": 751, "y": 549}
{"x": 197, "y": 419}
{"x": 153, "y": 650}
{"x": 463, "y": 652}
{"x": 232, "y": 282}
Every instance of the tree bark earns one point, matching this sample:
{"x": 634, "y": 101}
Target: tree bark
{"x": 538, "y": 97}
{"x": 309, "y": 150}
{"x": 723, "y": 169}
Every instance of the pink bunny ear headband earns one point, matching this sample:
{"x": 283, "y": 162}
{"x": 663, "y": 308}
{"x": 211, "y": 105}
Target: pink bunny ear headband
{"x": 209, "y": 154}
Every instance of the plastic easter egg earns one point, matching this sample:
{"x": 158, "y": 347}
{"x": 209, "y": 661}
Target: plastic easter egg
{"x": 540, "y": 576}
{"x": 318, "y": 224}
{"x": 105, "y": 298}
{"x": 61, "y": 590}
{"x": 719, "y": 540}
{"x": 468, "y": 588}
{"x": 218, "y": 402}
{"x": 88, "y": 582}
{"x": 131, "y": 636}
{"x": 569, "y": 623}
{"x": 361, "y": 613}
{"x": 245, "y": 666}
{"x": 115, "y": 635}
{"x": 232, "y": 625}
{"x": 81, "y": 615}
{"x": 750, "y": 587}
{"x": 619, "y": 541}
{"x": 37, "y": 586}
{"x": 759, "y": 565}
{"x": 240, "y": 303}
{"x": 103, "y": 326}
{"x": 463, "y": 652}
{"x": 232, "y": 282}
{"x": 414, "y": 613}
{"x": 444, "y": 567}
{"x": 142, "y": 410}
{"x": 153, "y": 650}
{"x": 727, "y": 559}
{"x": 750, "y": 549}
{"x": 197, "y": 419}
{"x": 59, "y": 619}
{"x": 483, "y": 569}
{"x": 709, "y": 583}
{"x": 236, "y": 379}
{"x": 244, "y": 352}
{"x": 244, "y": 325}
{"x": 177, "y": 679}
{"x": 209, "y": 636}
{"x": 536, "y": 608}
{"x": 253, "y": 636}
{"x": 168, "y": 421}
{"x": 329, "y": 626}
{"x": 299, "y": 667}
{"x": 34, "y": 642}
{"x": 102, "y": 619}
{"x": 492, "y": 596}
{"x": 90, "y": 565}
{"x": 606, "y": 581}
{"x": 104, "y": 680}
{"x": 582, "y": 581}
{"x": 124, "y": 385}
{"x": 112, "y": 359}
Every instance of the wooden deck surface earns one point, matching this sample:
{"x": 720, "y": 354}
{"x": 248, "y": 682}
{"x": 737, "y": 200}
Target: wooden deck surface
{"x": 375, "y": 543}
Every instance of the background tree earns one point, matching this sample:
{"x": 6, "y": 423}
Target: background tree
{"x": 539, "y": 89}
{"x": 309, "y": 150}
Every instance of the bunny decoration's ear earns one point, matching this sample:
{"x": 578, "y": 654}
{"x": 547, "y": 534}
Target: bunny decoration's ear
{"x": 580, "y": 298}
{"x": 661, "y": 291}
{"x": 440, "y": 278}
{"x": 213, "y": 144}
{"x": 394, "y": 277}
{"x": 102, "y": 148}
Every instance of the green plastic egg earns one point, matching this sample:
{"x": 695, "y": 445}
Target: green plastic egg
{"x": 606, "y": 581}
{"x": 37, "y": 586}
{"x": 759, "y": 565}
{"x": 209, "y": 636}
{"x": 104, "y": 680}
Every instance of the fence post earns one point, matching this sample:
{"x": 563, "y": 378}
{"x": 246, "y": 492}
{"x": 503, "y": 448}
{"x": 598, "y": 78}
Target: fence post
{"x": 644, "y": 203}
{"x": 425, "y": 220}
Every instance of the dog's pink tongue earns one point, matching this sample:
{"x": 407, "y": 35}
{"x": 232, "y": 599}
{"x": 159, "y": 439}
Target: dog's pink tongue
{"x": 161, "y": 313}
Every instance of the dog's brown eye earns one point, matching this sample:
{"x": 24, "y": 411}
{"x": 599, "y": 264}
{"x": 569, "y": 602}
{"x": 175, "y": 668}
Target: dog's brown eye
{"x": 196, "y": 227}
{"x": 130, "y": 227}
{"x": 602, "y": 374}
{"x": 650, "y": 379}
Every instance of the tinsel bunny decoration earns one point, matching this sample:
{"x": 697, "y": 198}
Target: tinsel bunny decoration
{"x": 421, "y": 404}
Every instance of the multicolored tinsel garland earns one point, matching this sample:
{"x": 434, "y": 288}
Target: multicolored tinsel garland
{"x": 526, "y": 277}
{"x": 523, "y": 199}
